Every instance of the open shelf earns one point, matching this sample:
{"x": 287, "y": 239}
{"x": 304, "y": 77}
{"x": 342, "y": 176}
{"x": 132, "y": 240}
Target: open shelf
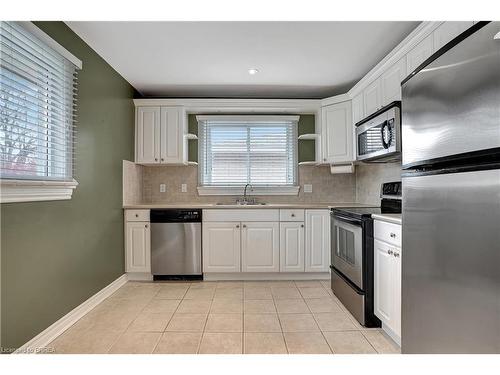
{"x": 312, "y": 136}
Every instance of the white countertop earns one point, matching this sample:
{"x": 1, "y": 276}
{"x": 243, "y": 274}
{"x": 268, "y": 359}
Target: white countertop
{"x": 391, "y": 218}
{"x": 269, "y": 205}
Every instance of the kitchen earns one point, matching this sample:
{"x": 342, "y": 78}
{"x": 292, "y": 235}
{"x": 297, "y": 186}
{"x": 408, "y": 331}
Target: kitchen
{"x": 242, "y": 218}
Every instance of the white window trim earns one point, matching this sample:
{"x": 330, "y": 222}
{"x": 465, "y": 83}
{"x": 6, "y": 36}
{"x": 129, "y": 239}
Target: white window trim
{"x": 257, "y": 190}
{"x": 12, "y": 191}
{"x": 31, "y": 190}
{"x": 239, "y": 190}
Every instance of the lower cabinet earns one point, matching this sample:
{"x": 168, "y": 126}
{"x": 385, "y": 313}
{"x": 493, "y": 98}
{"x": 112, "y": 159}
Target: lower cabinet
{"x": 221, "y": 247}
{"x": 292, "y": 247}
{"x": 317, "y": 248}
{"x": 137, "y": 247}
{"x": 260, "y": 247}
{"x": 387, "y": 285}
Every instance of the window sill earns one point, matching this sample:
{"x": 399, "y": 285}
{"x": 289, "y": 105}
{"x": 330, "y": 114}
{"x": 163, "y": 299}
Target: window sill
{"x": 239, "y": 190}
{"x": 33, "y": 191}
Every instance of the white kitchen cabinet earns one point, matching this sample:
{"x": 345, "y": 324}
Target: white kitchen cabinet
{"x": 137, "y": 247}
{"x": 172, "y": 145}
{"x": 317, "y": 248}
{"x": 336, "y": 129}
{"x": 387, "y": 282}
{"x": 292, "y": 247}
{"x": 448, "y": 31}
{"x": 391, "y": 82}
{"x": 358, "y": 112}
{"x": 221, "y": 247}
{"x": 147, "y": 135}
{"x": 260, "y": 247}
{"x": 372, "y": 97}
{"x": 421, "y": 52}
{"x": 160, "y": 135}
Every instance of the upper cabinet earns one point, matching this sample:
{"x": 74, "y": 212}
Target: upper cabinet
{"x": 160, "y": 135}
{"x": 358, "y": 112}
{"x": 336, "y": 133}
{"x": 390, "y": 82}
{"x": 421, "y": 52}
{"x": 449, "y": 30}
{"x": 372, "y": 97}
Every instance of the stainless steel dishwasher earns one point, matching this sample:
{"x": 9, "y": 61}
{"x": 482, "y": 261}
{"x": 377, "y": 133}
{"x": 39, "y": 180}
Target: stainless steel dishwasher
{"x": 176, "y": 244}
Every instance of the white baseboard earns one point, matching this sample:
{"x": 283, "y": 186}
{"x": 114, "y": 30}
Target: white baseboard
{"x": 394, "y": 336}
{"x": 139, "y": 276}
{"x": 213, "y": 276}
{"x": 44, "y": 338}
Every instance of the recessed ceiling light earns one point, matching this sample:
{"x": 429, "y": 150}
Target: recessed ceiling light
{"x": 253, "y": 71}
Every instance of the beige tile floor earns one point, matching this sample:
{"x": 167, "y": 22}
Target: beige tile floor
{"x": 254, "y": 317}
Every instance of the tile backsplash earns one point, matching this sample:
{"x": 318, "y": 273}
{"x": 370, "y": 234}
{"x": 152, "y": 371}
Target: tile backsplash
{"x": 325, "y": 186}
{"x": 142, "y": 185}
{"x": 369, "y": 177}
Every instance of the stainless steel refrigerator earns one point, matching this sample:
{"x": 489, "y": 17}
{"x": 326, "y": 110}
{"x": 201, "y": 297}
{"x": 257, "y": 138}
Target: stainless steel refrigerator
{"x": 451, "y": 198}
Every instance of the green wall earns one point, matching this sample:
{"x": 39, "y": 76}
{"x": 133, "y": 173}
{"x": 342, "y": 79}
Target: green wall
{"x": 306, "y": 148}
{"x": 57, "y": 254}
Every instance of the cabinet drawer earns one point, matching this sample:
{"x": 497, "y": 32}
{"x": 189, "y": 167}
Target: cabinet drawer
{"x": 291, "y": 215}
{"x": 137, "y": 215}
{"x": 387, "y": 232}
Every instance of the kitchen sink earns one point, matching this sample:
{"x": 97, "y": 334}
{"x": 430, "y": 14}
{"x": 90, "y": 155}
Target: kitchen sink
{"x": 241, "y": 204}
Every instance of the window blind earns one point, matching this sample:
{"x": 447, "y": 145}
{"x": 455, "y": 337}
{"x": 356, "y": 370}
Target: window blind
{"x": 235, "y": 151}
{"x": 38, "y": 88}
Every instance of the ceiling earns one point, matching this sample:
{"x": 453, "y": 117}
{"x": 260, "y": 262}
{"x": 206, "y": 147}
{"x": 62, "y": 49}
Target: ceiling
{"x": 212, "y": 59}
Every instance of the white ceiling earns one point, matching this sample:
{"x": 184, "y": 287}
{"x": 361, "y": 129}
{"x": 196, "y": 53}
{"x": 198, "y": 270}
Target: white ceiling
{"x": 211, "y": 59}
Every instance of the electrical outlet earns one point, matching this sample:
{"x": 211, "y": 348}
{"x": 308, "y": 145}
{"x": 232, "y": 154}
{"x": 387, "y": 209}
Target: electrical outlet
{"x": 308, "y": 188}
{"x": 184, "y": 188}
{"x": 163, "y": 188}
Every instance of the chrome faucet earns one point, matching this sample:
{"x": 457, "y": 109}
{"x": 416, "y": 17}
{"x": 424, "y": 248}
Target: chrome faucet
{"x": 245, "y": 200}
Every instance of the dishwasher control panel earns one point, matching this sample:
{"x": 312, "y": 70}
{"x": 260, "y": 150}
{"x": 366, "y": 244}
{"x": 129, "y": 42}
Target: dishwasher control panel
{"x": 175, "y": 216}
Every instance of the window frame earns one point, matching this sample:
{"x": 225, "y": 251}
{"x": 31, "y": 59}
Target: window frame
{"x": 40, "y": 189}
{"x": 257, "y": 189}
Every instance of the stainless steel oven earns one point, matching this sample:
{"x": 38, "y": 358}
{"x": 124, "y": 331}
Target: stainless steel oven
{"x": 348, "y": 247}
{"x": 379, "y": 135}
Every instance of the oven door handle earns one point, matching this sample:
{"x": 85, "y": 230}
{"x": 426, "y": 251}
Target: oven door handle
{"x": 346, "y": 219}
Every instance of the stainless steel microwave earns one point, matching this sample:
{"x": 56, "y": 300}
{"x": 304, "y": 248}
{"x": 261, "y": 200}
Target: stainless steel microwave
{"x": 378, "y": 136}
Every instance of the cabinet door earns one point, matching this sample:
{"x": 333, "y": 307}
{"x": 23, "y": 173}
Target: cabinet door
{"x": 383, "y": 282}
{"x": 358, "y": 112}
{"x": 419, "y": 54}
{"x": 137, "y": 247}
{"x": 292, "y": 247}
{"x": 260, "y": 247}
{"x": 372, "y": 98}
{"x": 396, "y": 327}
{"x": 147, "y": 135}
{"x": 172, "y": 135}
{"x": 221, "y": 247}
{"x": 337, "y": 133}
{"x": 448, "y": 31}
{"x": 391, "y": 82}
{"x": 317, "y": 250}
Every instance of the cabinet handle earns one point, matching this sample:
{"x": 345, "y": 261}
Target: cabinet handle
{"x": 393, "y": 235}
{"x": 244, "y": 226}
{"x": 156, "y": 159}
{"x": 162, "y": 159}
{"x": 237, "y": 226}
{"x": 293, "y": 215}
{"x": 396, "y": 255}
{"x": 389, "y": 252}
{"x": 302, "y": 225}
{"x": 136, "y": 215}
{"x": 145, "y": 226}
{"x": 324, "y": 159}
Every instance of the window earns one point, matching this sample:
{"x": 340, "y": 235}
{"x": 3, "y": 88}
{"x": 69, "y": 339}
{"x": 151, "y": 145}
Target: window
{"x": 239, "y": 150}
{"x": 37, "y": 111}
